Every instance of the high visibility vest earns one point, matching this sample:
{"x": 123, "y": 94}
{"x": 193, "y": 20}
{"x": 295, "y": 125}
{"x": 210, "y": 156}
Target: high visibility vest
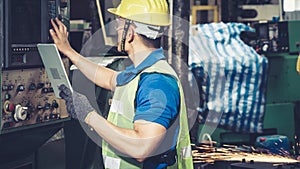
{"x": 121, "y": 114}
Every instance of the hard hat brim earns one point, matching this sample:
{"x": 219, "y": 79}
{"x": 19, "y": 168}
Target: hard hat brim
{"x": 112, "y": 10}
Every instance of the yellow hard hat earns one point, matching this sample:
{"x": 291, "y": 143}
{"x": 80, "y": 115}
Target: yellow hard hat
{"x": 152, "y": 12}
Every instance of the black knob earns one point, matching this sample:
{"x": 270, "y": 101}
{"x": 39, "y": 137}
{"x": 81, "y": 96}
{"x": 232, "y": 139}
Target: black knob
{"x": 46, "y": 117}
{"x": 54, "y": 104}
{"x": 20, "y": 88}
{"x": 54, "y": 116}
{"x": 40, "y": 85}
{"x": 50, "y": 90}
{"x": 32, "y": 86}
{"x": 45, "y": 90}
{"x": 11, "y": 87}
{"x": 47, "y": 106}
{"x": 39, "y": 119}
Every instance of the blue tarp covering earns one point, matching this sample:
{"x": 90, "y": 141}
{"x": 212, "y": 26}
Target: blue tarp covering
{"x": 235, "y": 82}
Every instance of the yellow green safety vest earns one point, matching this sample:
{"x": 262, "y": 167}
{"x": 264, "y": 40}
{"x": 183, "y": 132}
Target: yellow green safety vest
{"x": 121, "y": 114}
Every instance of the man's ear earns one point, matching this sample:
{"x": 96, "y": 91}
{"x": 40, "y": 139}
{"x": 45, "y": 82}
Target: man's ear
{"x": 130, "y": 35}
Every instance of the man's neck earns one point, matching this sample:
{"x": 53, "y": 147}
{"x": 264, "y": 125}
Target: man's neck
{"x": 138, "y": 57}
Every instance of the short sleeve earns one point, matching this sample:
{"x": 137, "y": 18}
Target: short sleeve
{"x": 157, "y": 99}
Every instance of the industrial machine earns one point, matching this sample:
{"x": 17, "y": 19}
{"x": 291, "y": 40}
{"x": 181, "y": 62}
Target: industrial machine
{"x": 280, "y": 42}
{"x": 31, "y": 114}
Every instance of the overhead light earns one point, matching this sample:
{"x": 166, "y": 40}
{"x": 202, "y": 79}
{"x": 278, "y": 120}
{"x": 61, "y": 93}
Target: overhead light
{"x": 291, "y": 5}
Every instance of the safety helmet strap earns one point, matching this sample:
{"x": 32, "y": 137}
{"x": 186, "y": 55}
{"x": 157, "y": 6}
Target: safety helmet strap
{"x": 124, "y": 34}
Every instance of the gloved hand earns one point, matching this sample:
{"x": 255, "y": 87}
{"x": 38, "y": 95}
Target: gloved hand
{"x": 78, "y": 106}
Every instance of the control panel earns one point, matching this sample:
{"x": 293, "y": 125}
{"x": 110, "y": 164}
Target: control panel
{"x": 278, "y": 37}
{"x": 28, "y": 98}
{"x": 27, "y": 23}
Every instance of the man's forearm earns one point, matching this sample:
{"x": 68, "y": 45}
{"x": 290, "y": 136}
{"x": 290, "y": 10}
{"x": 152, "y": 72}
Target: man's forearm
{"x": 100, "y": 75}
{"x": 136, "y": 143}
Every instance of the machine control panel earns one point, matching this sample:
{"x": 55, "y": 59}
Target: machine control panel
{"x": 273, "y": 37}
{"x": 28, "y": 98}
{"x": 26, "y": 24}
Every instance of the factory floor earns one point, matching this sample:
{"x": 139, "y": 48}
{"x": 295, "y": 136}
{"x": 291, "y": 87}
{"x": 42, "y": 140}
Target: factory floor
{"x": 51, "y": 155}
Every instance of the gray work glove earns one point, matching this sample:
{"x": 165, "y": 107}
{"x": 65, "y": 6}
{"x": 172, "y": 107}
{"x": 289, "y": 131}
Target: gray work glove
{"x": 78, "y": 106}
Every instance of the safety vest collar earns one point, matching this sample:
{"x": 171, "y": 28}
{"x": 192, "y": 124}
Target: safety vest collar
{"x": 131, "y": 72}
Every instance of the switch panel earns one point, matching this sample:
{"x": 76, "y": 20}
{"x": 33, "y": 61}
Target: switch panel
{"x": 28, "y": 98}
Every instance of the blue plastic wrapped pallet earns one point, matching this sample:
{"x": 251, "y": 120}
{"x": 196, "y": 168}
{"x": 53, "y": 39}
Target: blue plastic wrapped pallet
{"x": 276, "y": 144}
{"x": 234, "y": 76}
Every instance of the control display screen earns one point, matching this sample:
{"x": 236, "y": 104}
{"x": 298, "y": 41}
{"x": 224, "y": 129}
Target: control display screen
{"x": 25, "y": 22}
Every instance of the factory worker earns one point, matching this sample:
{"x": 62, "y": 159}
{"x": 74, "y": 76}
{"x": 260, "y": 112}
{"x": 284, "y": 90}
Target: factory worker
{"x": 148, "y": 112}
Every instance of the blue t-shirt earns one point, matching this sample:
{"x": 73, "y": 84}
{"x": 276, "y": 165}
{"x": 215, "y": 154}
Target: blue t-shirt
{"x": 157, "y": 98}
